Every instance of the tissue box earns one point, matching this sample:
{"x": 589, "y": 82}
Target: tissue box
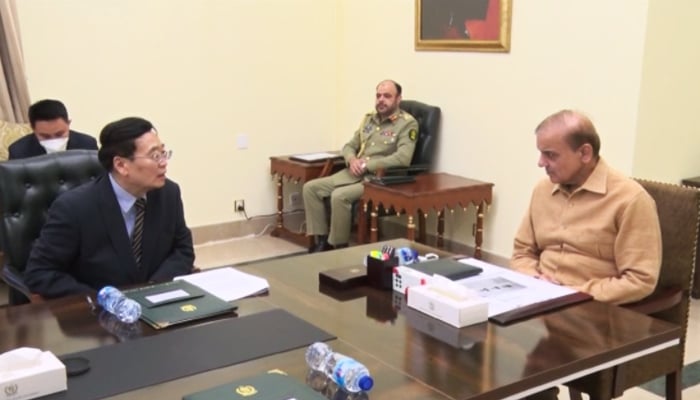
{"x": 49, "y": 376}
{"x": 444, "y": 305}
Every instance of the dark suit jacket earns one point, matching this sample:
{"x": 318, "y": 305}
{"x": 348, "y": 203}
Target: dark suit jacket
{"x": 28, "y": 145}
{"x": 84, "y": 244}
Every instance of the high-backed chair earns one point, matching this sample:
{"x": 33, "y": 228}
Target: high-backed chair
{"x": 428, "y": 118}
{"x": 27, "y": 189}
{"x": 678, "y": 215}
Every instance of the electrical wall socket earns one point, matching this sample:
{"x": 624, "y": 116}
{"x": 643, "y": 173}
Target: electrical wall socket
{"x": 239, "y": 205}
{"x": 295, "y": 200}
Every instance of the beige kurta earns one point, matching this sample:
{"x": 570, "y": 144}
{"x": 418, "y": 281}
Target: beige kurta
{"x": 603, "y": 239}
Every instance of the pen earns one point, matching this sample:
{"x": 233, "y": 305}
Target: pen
{"x": 90, "y": 303}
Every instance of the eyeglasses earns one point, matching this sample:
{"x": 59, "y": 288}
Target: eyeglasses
{"x": 157, "y": 156}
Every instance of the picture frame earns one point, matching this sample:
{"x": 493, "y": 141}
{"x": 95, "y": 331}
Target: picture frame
{"x": 463, "y": 25}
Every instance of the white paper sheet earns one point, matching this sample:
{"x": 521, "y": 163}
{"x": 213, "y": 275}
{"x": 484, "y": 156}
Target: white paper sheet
{"x": 507, "y": 289}
{"x": 311, "y": 157}
{"x": 227, "y": 283}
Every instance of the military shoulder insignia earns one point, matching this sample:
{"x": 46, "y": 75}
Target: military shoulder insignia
{"x": 413, "y": 135}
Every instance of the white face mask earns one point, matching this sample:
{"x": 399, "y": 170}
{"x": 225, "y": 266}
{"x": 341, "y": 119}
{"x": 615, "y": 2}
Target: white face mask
{"x": 54, "y": 145}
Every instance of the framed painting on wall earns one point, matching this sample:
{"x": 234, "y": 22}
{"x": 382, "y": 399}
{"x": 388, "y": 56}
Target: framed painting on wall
{"x": 463, "y": 25}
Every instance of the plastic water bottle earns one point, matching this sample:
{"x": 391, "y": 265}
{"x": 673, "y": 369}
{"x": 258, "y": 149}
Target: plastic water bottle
{"x": 114, "y": 301}
{"x": 349, "y": 374}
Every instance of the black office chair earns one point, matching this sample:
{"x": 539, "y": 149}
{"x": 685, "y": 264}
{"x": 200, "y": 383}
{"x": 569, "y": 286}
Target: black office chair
{"x": 428, "y": 118}
{"x": 27, "y": 189}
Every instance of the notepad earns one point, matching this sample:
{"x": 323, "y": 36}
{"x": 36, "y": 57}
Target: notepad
{"x": 313, "y": 157}
{"x": 229, "y": 284}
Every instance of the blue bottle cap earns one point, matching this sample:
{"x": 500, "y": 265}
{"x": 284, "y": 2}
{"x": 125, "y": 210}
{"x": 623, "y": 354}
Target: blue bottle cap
{"x": 366, "y": 383}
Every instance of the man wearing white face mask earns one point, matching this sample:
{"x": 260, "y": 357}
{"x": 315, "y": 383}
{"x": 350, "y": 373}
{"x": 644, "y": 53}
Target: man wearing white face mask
{"x": 49, "y": 120}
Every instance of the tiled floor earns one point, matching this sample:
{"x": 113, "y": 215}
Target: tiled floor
{"x": 241, "y": 250}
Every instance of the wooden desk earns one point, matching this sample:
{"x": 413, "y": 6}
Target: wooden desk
{"x": 695, "y": 290}
{"x": 282, "y": 167}
{"x": 407, "y": 360}
{"x": 433, "y": 191}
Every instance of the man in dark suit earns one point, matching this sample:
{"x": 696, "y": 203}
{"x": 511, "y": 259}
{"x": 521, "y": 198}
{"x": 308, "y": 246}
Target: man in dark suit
{"x": 95, "y": 235}
{"x": 51, "y": 126}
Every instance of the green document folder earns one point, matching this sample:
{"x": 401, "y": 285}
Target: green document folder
{"x": 268, "y": 386}
{"x": 176, "y": 302}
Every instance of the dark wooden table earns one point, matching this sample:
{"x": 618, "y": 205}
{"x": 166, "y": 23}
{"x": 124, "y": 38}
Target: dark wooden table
{"x": 410, "y": 356}
{"x": 432, "y": 191}
{"x": 695, "y": 290}
{"x": 283, "y": 168}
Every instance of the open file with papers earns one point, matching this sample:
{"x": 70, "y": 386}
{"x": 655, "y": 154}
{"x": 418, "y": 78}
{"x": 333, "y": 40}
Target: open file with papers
{"x": 228, "y": 283}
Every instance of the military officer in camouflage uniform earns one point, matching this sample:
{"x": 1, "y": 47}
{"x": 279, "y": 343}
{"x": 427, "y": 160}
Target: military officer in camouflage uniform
{"x": 386, "y": 138}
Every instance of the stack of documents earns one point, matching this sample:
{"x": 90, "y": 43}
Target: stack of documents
{"x": 513, "y": 295}
{"x": 229, "y": 284}
{"x": 314, "y": 157}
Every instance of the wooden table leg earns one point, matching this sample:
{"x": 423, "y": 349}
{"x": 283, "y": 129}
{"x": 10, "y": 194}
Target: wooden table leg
{"x": 440, "y": 227}
{"x": 280, "y": 230}
{"x": 478, "y": 235}
{"x": 373, "y": 233}
{"x": 280, "y": 207}
{"x": 361, "y": 222}
{"x": 422, "y": 235}
{"x": 411, "y": 234}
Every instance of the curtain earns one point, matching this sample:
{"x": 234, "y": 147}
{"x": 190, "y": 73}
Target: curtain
{"x": 14, "y": 93}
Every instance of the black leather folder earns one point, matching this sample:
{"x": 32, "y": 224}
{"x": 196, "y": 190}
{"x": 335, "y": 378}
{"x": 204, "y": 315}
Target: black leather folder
{"x": 447, "y": 267}
{"x": 542, "y": 307}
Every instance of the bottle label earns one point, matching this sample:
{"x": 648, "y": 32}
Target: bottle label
{"x": 340, "y": 371}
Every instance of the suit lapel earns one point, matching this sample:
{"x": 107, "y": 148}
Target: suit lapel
{"x": 34, "y": 147}
{"x": 116, "y": 228}
{"x": 150, "y": 232}
{"x": 71, "y": 141}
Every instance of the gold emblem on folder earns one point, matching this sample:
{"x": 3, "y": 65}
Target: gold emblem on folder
{"x": 11, "y": 390}
{"x": 188, "y": 308}
{"x": 246, "y": 390}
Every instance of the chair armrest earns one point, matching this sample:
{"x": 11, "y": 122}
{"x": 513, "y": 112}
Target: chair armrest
{"x": 658, "y": 301}
{"x": 410, "y": 170}
{"x": 15, "y": 280}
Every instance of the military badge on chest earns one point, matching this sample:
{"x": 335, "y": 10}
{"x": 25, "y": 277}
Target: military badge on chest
{"x": 388, "y": 136}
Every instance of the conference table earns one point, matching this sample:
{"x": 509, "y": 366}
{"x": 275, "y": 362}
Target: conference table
{"x": 409, "y": 355}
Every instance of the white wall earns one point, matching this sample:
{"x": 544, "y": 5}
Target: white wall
{"x": 582, "y": 55}
{"x": 296, "y": 75}
{"x": 668, "y": 135}
{"x": 202, "y": 72}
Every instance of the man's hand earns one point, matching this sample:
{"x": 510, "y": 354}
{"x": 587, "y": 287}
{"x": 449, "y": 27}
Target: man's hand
{"x": 357, "y": 167}
{"x": 548, "y": 279}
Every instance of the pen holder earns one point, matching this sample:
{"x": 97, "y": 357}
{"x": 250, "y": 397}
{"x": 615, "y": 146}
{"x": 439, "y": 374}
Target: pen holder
{"x": 380, "y": 272}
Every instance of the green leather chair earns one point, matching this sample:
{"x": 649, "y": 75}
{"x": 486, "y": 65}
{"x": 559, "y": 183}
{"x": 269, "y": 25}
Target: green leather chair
{"x": 27, "y": 189}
